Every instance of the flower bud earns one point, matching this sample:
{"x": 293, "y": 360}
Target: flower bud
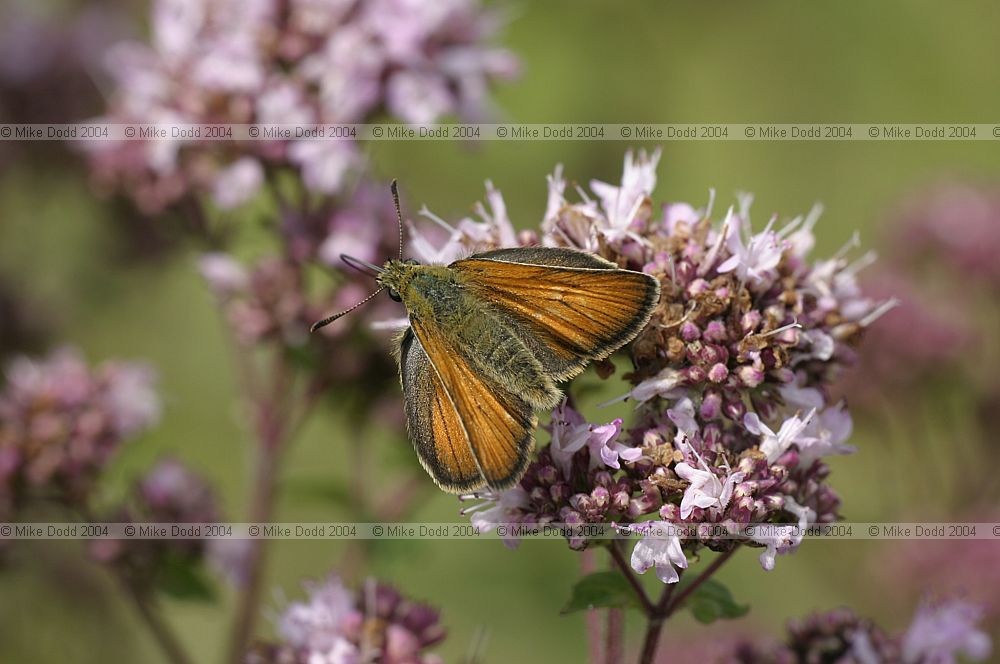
{"x": 690, "y": 331}
{"x": 559, "y": 492}
{"x": 718, "y": 373}
{"x": 693, "y": 375}
{"x": 697, "y": 287}
{"x": 603, "y": 478}
{"x": 716, "y": 332}
{"x": 734, "y": 410}
{"x": 711, "y": 405}
{"x": 749, "y": 376}
{"x": 547, "y": 475}
{"x": 750, "y": 321}
{"x": 527, "y": 238}
{"x": 600, "y": 498}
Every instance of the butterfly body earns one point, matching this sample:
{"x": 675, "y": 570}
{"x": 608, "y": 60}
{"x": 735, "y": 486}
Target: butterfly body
{"x": 489, "y": 338}
{"x": 439, "y": 297}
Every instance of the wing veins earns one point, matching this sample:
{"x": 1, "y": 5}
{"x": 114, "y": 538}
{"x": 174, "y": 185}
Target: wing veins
{"x": 451, "y": 402}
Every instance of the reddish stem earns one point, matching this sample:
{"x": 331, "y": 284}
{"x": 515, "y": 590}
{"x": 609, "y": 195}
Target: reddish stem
{"x": 614, "y": 643}
{"x": 667, "y": 605}
{"x": 702, "y": 578}
{"x": 623, "y": 565}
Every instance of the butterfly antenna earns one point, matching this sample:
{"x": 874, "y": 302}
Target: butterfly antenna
{"x": 330, "y": 319}
{"x": 359, "y": 264}
{"x": 364, "y": 267}
{"x": 399, "y": 215}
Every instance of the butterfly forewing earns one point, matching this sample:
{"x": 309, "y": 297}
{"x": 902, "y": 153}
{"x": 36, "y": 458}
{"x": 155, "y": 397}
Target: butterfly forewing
{"x": 497, "y": 426}
{"x": 551, "y": 256}
{"x": 572, "y": 310}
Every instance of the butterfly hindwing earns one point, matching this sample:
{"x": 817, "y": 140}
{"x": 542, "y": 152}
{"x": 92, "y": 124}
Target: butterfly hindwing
{"x": 448, "y": 399}
{"x": 437, "y": 434}
{"x": 567, "y": 306}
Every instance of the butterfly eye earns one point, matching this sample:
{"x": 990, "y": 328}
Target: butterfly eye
{"x": 410, "y": 261}
{"x": 394, "y": 295}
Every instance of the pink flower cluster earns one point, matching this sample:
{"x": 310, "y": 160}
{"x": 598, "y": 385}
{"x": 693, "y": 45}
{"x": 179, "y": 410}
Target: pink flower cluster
{"x": 730, "y": 377}
{"x": 61, "y": 421}
{"x": 940, "y": 259}
{"x": 169, "y": 492}
{"x": 299, "y": 62}
{"x": 337, "y": 626}
{"x": 941, "y": 632}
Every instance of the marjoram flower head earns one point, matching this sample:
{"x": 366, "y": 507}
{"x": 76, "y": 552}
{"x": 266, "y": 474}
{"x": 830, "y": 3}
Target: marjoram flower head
{"x": 941, "y": 632}
{"x": 169, "y": 492}
{"x": 730, "y": 377}
{"x": 941, "y": 246}
{"x": 299, "y": 62}
{"x": 61, "y": 421}
{"x": 335, "y": 625}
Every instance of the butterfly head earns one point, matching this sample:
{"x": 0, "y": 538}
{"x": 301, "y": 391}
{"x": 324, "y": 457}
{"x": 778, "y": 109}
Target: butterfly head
{"x": 396, "y": 275}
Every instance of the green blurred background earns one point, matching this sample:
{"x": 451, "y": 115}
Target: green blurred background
{"x": 892, "y": 61}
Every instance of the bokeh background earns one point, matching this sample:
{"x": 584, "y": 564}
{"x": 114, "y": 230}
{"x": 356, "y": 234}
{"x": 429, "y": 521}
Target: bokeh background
{"x": 90, "y": 273}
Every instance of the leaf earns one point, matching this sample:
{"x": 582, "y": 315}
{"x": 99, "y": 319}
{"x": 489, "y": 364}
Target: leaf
{"x": 712, "y": 601}
{"x": 184, "y": 578}
{"x": 601, "y": 590}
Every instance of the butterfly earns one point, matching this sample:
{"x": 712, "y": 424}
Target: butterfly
{"x": 489, "y": 338}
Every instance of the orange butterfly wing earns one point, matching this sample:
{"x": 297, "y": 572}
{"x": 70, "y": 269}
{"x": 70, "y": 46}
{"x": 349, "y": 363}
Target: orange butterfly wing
{"x": 571, "y": 307}
{"x": 468, "y": 432}
{"x": 437, "y": 434}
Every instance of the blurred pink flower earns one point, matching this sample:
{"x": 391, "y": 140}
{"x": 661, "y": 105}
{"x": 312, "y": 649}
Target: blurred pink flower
{"x": 238, "y": 183}
{"x": 954, "y": 223}
{"x": 169, "y": 492}
{"x": 942, "y": 631}
{"x": 223, "y": 273}
{"x": 335, "y": 625}
{"x": 318, "y": 623}
{"x": 921, "y": 338}
{"x": 306, "y": 61}
{"x": 230, "y": 558}
{"x": 966, "y": 567}
{"x": 61, "y": 421}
